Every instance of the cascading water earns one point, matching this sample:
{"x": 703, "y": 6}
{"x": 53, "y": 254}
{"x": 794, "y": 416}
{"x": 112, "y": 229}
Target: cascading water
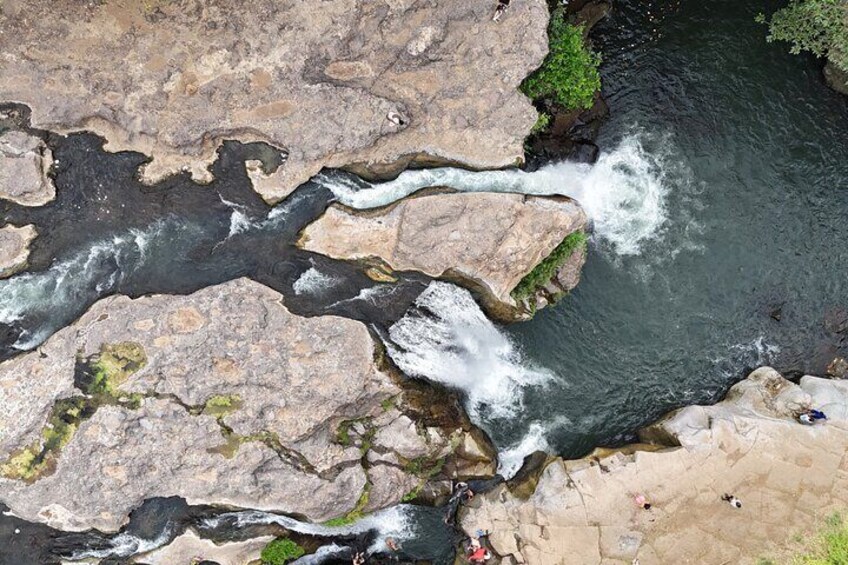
{"x": 625, "y": 193}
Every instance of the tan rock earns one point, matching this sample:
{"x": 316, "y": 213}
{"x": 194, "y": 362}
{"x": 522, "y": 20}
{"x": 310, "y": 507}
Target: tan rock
{"x": 787, "y": 475}
{"x": 171, "y": 79}
{"x": 24, "y": 162}
{"x": 189, "y": 546}
{"x": 488, "y": 241}
{"x": 14, "y": 248}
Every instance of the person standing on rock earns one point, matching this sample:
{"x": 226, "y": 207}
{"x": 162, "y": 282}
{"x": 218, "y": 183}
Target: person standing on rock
{"x": 502, "y": 6}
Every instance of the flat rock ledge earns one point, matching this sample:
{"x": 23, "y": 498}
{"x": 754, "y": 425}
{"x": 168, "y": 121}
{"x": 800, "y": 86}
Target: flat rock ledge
{"x": 14, "y": 248}
{"x": 24, "y": 163}
{"x": 488, "y": 242}
{"x": 221, "y": 397}
{"x": 172, "y": 78}
{"x": 788, "y": 476}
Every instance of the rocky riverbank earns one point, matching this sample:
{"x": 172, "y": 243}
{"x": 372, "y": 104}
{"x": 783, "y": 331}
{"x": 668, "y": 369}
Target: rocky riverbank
{"x": 789, "y": 476}
{"x": 352, "y": 82}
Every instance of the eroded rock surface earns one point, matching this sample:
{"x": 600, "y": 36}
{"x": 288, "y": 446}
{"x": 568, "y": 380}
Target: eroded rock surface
{"x": 233, "y": 400}
{"x": 789, "y": 477}
{"x": 189, "y": 548}
{"x": 171, "y": 78}
{"x": 14, "y": 248}
{"x": 24, "y": 163}
{"x": 488, "y": 241}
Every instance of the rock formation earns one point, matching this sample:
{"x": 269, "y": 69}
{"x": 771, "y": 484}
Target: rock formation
{"x": 24, "y": 162}
{"x": 172, "y": 78}
{"x": 836, "y": 78}
{"x": 789, "y": 476}
{"x": 487, "y": 241}
{"x": 220, "y": 397}
{"x": 14, "y": 248}
{"x": 187, "y": 547}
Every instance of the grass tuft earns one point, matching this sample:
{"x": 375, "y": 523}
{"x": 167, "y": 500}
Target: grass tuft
{"x": 280, "y": 551}
{"x": 547, "y": 269}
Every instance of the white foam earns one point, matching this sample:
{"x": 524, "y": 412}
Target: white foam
{"x": 392, "y": 522}
{"x": 370, "y": 294}
{"x": 511, "y": 459}
{"x": 447, "y": 339}
{"x": 321, "y": 554}
{"x": 313, "y": 281}
{"x": 94, "y": 271}
{"x": 124, "y": 545}
{"x": 755, "y": 353}
{"x": 624, "y": 192}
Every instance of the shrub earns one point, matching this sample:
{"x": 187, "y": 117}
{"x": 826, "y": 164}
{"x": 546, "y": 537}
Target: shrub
{"x": 546, "y": 270}
{"x": 817, "y": 26}
{"x": 281, "y": 551}
{"x": 569, "y": 75}
{"x": 542, "y": 123}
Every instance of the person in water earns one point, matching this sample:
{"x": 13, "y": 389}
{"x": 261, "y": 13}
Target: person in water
{"x": 732, "y": 500}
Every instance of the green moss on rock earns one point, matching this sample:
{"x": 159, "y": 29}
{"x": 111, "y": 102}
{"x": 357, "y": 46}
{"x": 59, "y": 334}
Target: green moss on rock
{"x": 281, "y": 551}
{"x": 547, "y": 269}
{"x": 115, "y": 363}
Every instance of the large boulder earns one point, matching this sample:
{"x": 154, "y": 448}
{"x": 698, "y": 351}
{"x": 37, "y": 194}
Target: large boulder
{"x": 221, "y": 397}
{"x": 24, "y": 163}
{"x": 318, "y": 80}
{"x": 14, "y": 248}
{"x": 487, "y": 241}
{"x": 788, "y": 475}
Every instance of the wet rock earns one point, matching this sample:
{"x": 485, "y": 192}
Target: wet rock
{"x": 24, "y": 163}
{"x": 234, "y": 401}
{"x": 488, "y": 242}
{"x": 14, "y": 248}
{"x": 171, "y": 79}
{"x": 836, "y": 78}
{"x": 582, "y": 511}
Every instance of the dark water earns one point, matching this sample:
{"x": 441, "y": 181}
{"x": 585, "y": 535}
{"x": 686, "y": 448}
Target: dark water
{"x": 755, "y": 225}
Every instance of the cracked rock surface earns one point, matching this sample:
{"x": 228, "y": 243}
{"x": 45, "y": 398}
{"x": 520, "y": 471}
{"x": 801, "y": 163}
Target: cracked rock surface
{"x": 14, "y": 248}
{"x": 488, "y": 241}
{"x": 170, "y": 78}
{"x": 289, "y": 384}
{"x": 24, "y": 162}
{"x": 789, "y": 477}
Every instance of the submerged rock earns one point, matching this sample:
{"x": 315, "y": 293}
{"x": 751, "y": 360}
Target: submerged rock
{"x": 836, "y": 78}
{"x": 489, "y": 242}
{"x": 220, "y": 397}
{"x": 750, "y": 445}
{"x": 14, "y": 248}
{"x": 334, "y": 83}
{"x": 24, "y": 163}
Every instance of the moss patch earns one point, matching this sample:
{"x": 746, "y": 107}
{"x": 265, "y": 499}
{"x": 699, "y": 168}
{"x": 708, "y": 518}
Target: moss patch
{"x": 357, "y": 512}
{"x": 281, "y": 551}
{"x": 221, "y": 405}
{"x": 547, "y": 269}
{"x": 115, "y": 363}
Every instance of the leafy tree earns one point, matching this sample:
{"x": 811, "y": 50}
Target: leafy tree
{"x": 817, "y": 26}
{"x": 569, "y": 75}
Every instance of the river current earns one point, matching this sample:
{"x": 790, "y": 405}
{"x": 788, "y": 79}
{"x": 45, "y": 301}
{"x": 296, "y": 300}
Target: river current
{"x": 718, "y": 204}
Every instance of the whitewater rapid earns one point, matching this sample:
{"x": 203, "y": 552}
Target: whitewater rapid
{"x": 625, "y": 193}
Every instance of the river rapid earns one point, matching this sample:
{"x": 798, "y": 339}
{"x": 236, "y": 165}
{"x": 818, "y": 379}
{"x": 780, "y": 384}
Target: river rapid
{"x": 718, "y": 205}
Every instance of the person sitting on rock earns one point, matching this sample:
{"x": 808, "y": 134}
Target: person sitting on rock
{"x": 480, "y": 555}
{"x": 810, "y": 417}
{"x": 732, "y": 500}
{"x": 642, "y": 502}
{"x": 502, "y": 6}
{"x": 461, "y": 493}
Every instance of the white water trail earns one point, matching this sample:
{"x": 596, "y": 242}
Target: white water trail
{"x": 240, "y": 222}
{"x": 447, "y": 339}
{"x": 322, "y": 554}
{"x": 124, "y": 545}
{"x": 370, "y": 294}
{"x": 624, "y": 192}
{"x": 314, "y": 282}
{"x": 94, "y": 271}
{"x": 395, "y": 522}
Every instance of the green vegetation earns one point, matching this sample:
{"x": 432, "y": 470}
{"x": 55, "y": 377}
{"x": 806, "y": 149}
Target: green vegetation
{"x": 115, "y": 363}
{"x": 281, "y": 551}
{"x": 569, "y": 75}
{"x": 830, "y": 546}
{"x": 221, "y": 405}
{"x": 542, "y": 122}
{"x": 546, "y": 270}
{"x": 100, "y": 379}
{"x": 817, "y": 26}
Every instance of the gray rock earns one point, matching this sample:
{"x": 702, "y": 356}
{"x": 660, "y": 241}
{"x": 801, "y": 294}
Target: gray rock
{"x": 24, "y": 162}
{"x": 14, "y": 248}
{"x": 836, "y": 78}
{"x": 230, "y": 353}
{"x": 170, "y": 79}
{"x": 487, "y": 241}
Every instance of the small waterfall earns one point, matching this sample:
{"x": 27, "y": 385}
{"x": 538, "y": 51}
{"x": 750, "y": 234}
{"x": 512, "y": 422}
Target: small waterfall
{"x": 624, "y": 192}
{"x": 314, "y": 282}
{"x": 446, "y": 338}
{"x": 125, "y": 545}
